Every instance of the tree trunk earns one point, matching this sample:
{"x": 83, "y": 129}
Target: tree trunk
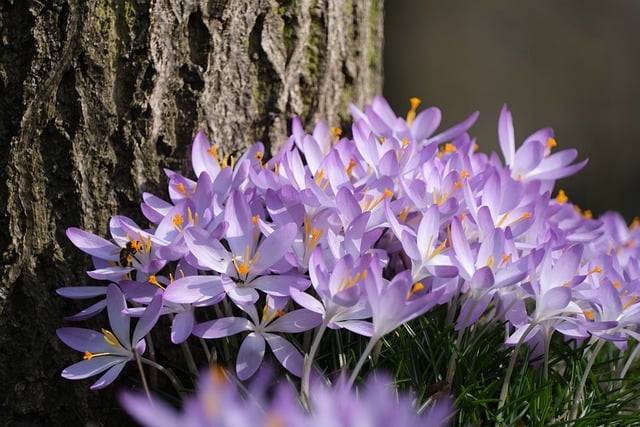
{"x": 97, "y": 96}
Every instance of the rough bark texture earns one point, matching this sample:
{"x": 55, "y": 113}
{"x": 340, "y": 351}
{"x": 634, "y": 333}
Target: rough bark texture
{"x": 97, "y": 96}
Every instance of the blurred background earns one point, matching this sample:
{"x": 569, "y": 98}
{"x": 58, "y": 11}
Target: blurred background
{"x": 573, "y": 65}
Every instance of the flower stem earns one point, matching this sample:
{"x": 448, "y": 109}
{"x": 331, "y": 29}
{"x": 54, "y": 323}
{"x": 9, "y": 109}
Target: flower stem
{"x": 510, "y": 368}
{"x": 578, "y": 396}
{"x": 308, "y": 361}
{"x": 142, "y": 376}
{"x": 372, "y": 342}
{"x": 175, "y": 382}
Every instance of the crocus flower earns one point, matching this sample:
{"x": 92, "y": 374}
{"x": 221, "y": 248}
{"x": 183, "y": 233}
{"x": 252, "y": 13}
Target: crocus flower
{"x": 109, "y": 351}
{"x": 262, "y": 330}
{"x": 219, "y": 402}
{"x": 533, "y": 160}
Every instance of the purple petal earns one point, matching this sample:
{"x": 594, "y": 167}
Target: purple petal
{"x": 209, "y": 252}
{"x": 149, "y": 414}
{"x": 81, "y": 339}
{"x": 454, "y": 131}
{"x": 506, "y": 135}
{"x": 148, "y": 319}
{"x": 528, "y": 157}
{"x": 194, "y": 289}
{"x": 518, "y": 335}
{"x": 483, "y": 278}
{"x": 93, "y": 245}
{"x": 286, "y": 353}
{"x": 108, "y": 377}
{"x": 360, "y": 327}
{"x": 276, "y": 285}
{"x": 425, "y": 123}
{"x": 88, "y": 312}
{"x": 461, "y": 247}
{"x": 223, "y": 327}
{"x": 238, "y": 215}
{"x": 295, "y": 321}
{"x": 82, "y": 292}
{"x": 182, "y": 326}
{"x": 240, "y": 295}
{"x": 116, "y": 304}
{"x": 273, "y": 248}
{"x": 114, "y": 273}
{"x": 250, "y": 356}
{"x": 307, "y": 301}
{"x": 555, "y": 299}
{"x": 154, "y": 208}
{"x": 201, "y": 159}
{"x": 91, "y": 367}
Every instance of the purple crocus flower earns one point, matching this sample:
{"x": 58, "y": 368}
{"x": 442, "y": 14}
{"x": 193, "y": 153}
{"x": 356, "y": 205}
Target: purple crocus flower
{"x": 263, "y": 330}
{"x": 552, "y": 292}
{"x": 533, "y": 160}
{"x": 219, "y": 402}
{"x": 109, "y": 351}
{"x": 484, "y": 271}
{"x": 429, "y": 255}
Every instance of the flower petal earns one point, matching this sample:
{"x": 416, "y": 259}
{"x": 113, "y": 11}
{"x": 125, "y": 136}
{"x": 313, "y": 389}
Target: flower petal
{"x": 286, "y": 353}
{"x": 223, "y": 327}
{"x": 250, "y": 356}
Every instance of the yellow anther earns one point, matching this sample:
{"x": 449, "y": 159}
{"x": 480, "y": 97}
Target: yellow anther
{"x": 595, "y": 269}
{"x": 449, "y": 148}
{"x": 521, "y": 218}
{"x": 629, "y": 302}
{"x": 411, "y": 115}
{"x": 441, "y": 247}
{"x": 616, "y": 284}
{"x": 505, "y": 258}
{"x": 562, "y": 197}
{"x": 154, "y": 281}
{"x": 387, "y": 193}
{"x": 182, "y": 189}
{"x": 490, "y": 261}
{"x": 464, "y": 174}
{"x": 110, "y": 338}
{"x": 192, "y": 218}
{"x": 336, "y": 133}
{"x": 402, "y": 216}
{"x": 177, "y": 222}
{"x": 351, "y": 166}
{"x": 382, "y": 139}
{"x": 463, "y": 215}
{"x": 476, "y": 147}
{"x": 255, "y": 219}
{"x": 266, "y": 317}
{"x": 587, "y": 214}
{"x": 588, "y": 314}
{"x": 213, "y": 150}
{"x": 319, "y": 175}
{"x": 244, "y": 268}
{"x": 88, "y": 356}
{"x": 405, "y": 142}
{"x": 259, "y": 157}
{"x": 349, "y": 281}
{"x": 458, "y": 185}
{"x": 635, "y": 223}
{"x": 551, "y": 143}
{"x": 417, "y": 287}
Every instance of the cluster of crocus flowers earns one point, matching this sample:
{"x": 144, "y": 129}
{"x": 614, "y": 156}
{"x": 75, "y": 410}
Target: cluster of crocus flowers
{"x": 361, "y": 233}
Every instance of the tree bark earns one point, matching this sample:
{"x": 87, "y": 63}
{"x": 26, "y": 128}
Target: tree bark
{"x": 97, "y": 97}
